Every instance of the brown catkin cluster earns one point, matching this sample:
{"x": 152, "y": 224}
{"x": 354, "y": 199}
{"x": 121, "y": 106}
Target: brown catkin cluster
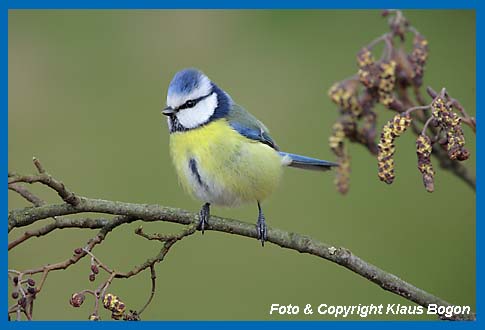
{"x": 393, "y": 128}
{"x": 344, "y": 94}
{"x": 342, "y": 177}
{"x": 387, "y": 81}
{"x": 357, "y": 123}
{"x": 423, "y": 150}
{"x": 379, "y": 76}
{"x": 367, "y": 131}
{"x": 368, "y": 72}
{"x": 456, "y": 141}
{"x": 336, "y": 142}
{"x": 444, "y": 115}
{"x": 114, "y": 305}
{"x": 418, "y": 58}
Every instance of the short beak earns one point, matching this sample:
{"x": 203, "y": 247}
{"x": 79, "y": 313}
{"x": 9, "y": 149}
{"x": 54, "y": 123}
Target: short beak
{"x": 168, "y": 111}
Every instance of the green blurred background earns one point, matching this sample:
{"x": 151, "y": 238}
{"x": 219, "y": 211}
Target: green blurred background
{"x": 85, "y": 93}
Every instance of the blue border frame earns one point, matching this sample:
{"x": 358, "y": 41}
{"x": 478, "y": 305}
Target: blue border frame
{"x": 239, "y": 4}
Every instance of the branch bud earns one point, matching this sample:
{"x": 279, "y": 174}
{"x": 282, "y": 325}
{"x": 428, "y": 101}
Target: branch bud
{"x": 77, "y": 299}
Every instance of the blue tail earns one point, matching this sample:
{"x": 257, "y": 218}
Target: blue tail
{"x": 307, "y": 163}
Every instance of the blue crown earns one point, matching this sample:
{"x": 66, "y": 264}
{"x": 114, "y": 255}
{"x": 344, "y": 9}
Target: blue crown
{"x": 185, "y": 81}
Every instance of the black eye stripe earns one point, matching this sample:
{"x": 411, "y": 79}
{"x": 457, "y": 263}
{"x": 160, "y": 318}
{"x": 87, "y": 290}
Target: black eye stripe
{"x": 192, "y": 103}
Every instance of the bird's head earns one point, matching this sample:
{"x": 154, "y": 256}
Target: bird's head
{"x": 193, "y": 100}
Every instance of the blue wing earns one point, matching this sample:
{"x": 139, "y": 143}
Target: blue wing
{"x": 249, "y": 126}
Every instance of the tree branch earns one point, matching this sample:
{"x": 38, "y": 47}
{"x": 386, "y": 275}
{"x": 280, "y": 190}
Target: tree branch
{"x": 304, "y": 244}
{"x": 129, "y": 212}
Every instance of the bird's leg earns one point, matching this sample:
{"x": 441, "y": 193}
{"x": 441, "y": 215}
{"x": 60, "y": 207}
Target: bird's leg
{"x": 204, "y": 215}
{"x": 261, "y": 226}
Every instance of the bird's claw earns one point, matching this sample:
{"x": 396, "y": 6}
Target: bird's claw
{"x": 204, "y": 215}
{"x": 262, "y": 229}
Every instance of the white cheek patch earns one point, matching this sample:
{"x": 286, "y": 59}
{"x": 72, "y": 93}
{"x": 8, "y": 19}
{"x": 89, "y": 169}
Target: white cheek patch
{"x": 204, "y": 88}
{"x": 198, "y": 115}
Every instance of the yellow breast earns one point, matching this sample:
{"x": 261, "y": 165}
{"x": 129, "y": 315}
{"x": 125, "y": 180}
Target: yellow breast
{"x": 218, "y": 165}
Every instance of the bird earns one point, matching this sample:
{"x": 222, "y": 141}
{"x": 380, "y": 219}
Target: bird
{"x": 223, "y": 155}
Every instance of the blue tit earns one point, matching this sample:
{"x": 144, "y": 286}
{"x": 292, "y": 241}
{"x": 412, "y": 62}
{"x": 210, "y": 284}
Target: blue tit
{"x": 223, "y": 155}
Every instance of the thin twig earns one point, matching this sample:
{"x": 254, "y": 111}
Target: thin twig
{"x": 419, "y": 107}
{"x": 153, "y": 276}
{"x": 46, "y": 179}
{"x": 377, "y": 40}
{"x": 25, "y": 193}
{"x": 45, "y": 270}
{"x": 60, "y": 223}
{"x": 425, "y": 126}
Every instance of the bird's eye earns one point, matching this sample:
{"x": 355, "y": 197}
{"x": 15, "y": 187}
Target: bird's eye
{"x": 190, "y": 103}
